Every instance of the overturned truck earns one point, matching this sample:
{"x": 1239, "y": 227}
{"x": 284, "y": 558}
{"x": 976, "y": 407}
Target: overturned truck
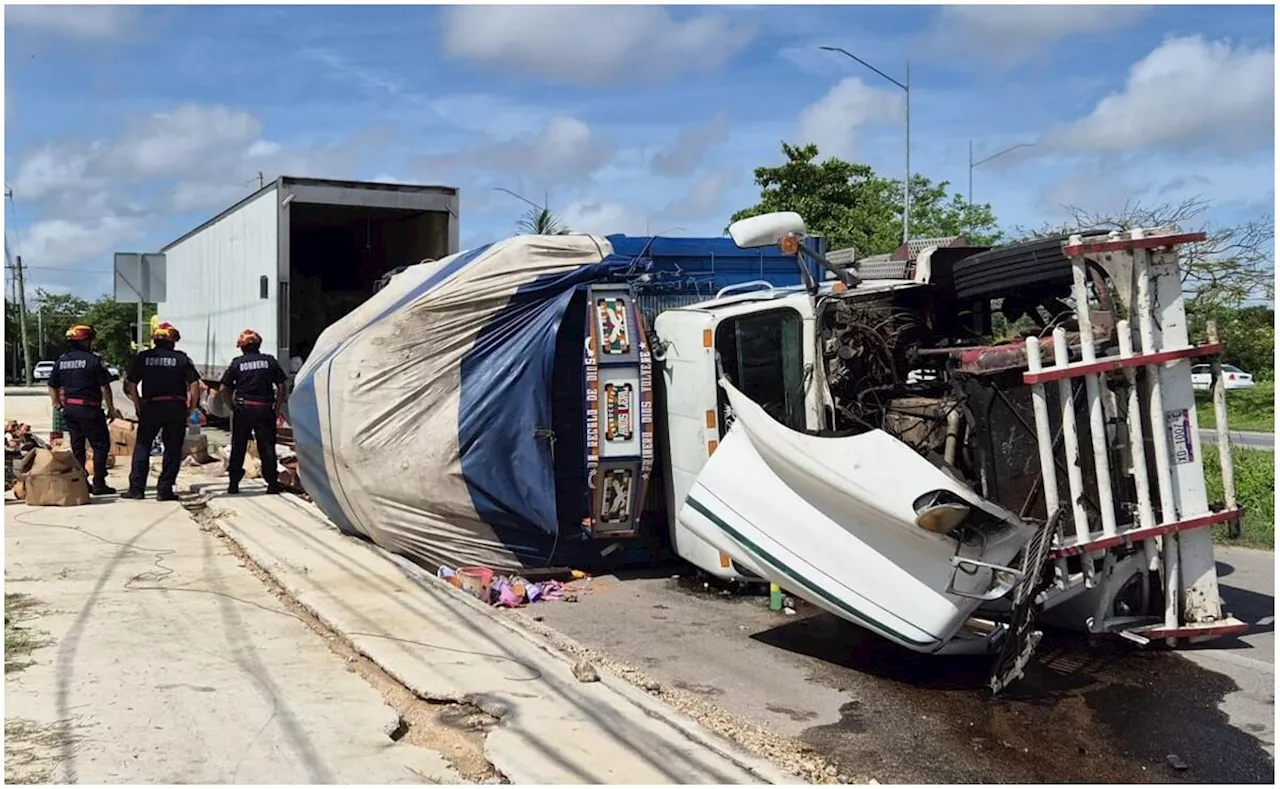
{"x": 857, "y": 437}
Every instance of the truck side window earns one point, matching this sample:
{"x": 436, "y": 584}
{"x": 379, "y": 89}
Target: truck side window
{"x": 762, "y": 355}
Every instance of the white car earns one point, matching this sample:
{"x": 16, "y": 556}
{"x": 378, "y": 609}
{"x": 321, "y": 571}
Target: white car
{"x": 42, "y": 371}
{"x": 1202, "y": 377}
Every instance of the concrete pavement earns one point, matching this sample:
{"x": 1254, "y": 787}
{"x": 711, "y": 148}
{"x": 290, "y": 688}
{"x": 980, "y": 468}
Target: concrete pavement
{"x": 445, "y": 646}
{"x": 165, "y": 654}
{"x": 166, "y": 661}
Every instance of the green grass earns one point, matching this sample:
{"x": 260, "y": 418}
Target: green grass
{"x": 1255, "y": 492}
{"x": 1247, "y": 409}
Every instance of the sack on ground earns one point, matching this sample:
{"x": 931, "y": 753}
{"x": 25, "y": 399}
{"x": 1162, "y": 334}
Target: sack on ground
{"x": 197, "y": 448}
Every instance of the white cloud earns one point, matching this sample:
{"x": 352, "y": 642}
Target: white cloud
{"x": 705, "y": 198}
{"x": 484, "y": 112}
{"x": 593, "y": 45}
{"x": 833, "y": 121}
{"x": 1156, "y": 178}
{"x": 62, "y": 243}
{"x": 101, "y": 22}
{"x": 1186, "y": 93}
{"x": 50, "y": 169}
{"x": 604, "y": 217}
{"x": 261, "y": 149}
{"x": 1009, "y": 34}
{"x": 91, "y": 198}
{"x": 563, "y": 152}
{"x": 685, "y": 153}
{"x": 170, "y": 142}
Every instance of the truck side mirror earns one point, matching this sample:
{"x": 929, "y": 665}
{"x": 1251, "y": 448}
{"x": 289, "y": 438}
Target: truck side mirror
{"x": 766, "y": 230}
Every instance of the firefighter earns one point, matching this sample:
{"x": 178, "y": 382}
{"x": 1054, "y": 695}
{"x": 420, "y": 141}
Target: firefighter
{"x": 79, "y": 387}
{"x": 255, "y": 382}
{"x": 170, "y": 391}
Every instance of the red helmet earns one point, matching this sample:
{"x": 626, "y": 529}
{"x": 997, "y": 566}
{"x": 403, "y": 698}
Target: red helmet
{"x": 81, "y": 333}
{"x": 166, "y": 331}
{"x": 248, "y": 337}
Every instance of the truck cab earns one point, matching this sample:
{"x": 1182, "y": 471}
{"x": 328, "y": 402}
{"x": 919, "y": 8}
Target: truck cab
{"x": 870, "y": 444}
{"x": 765, "y": 341}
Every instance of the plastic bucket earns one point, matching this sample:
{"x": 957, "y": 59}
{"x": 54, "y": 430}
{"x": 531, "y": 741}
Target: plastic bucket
{"x": 475, "y": 581}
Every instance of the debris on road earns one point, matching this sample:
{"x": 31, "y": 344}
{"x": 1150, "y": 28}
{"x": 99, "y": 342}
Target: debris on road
{"x": 1175, "y": 761}
{"x": 512, "y": 591}
{"x": 585, "y": 672}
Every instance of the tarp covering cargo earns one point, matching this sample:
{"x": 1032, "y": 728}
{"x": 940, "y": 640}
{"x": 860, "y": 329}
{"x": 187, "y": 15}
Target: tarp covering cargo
{"x": 420, "y": 417}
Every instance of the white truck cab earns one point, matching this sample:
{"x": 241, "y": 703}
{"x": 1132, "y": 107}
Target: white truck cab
{"x": 888, "y": 461}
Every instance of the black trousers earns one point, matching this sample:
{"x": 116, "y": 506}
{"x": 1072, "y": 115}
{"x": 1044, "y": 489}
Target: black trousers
{"x": 89, "y": 424}
{"x": 169, "y": 421}
{"x": 260, "y": 421}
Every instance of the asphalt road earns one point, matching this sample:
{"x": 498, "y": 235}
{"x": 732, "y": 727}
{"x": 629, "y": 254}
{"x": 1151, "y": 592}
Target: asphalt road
{"x": 1107, "y": 713}
{"x": 1260, "y": 441}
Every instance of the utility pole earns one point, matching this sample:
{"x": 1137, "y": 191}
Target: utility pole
{"x": 22, "y": 316}
{"x": 973, "y": 164}
{"x": 40, "y": 330}
{"x": 905, "y": 85}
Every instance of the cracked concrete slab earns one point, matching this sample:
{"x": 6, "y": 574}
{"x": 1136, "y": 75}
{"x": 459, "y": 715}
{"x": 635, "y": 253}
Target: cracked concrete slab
{"x": 443, "y": 645}
{"x": 167, "y": 662}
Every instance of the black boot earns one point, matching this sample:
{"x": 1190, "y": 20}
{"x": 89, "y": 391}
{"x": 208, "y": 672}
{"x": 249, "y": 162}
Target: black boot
{"x": 133, "y": 494}
{"x": 166, "y": 495}
{"x": 274, "y": 488}
{"x": 102, "y": 489}
{"x": 233, "y": 487}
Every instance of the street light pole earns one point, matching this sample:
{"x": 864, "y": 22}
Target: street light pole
{"x": 906, "y": 186}
{"x": 520, "y": 197}
{"x": 906, "y": 88}
{"x": 973, "y": 164}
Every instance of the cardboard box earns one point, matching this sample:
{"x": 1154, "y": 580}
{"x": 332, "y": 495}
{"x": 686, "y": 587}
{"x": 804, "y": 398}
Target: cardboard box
{"x": 88, "y": 462}
{"x": 124, "y": 435}
{"x": 55, "y": 479}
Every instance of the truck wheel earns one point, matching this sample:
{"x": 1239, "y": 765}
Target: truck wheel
{"x": 992, "y": 274}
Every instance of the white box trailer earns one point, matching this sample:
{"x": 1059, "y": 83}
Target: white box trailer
{"x": 295, "y": 256}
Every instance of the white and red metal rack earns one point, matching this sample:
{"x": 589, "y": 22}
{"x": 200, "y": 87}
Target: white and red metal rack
{"x": 1143, "y": 269}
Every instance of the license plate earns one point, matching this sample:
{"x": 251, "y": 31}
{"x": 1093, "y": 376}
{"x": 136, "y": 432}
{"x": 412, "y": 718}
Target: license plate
{"x": 1179, "y": 426}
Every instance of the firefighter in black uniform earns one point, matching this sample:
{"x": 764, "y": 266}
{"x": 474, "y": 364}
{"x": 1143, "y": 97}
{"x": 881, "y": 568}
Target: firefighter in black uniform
{"x": 255, "y": 382}
{"x": 170, "y": 391}
{"x": 79, "y": 387}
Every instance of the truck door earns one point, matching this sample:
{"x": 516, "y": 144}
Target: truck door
{"x": 762, "y": 353}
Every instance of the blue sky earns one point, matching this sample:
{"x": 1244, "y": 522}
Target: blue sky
{"x": 127, "y": 126}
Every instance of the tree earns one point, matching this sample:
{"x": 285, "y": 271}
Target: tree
{"x": 851, "y": 206}
{"x": 53, "y": 314}
{"x": 1232, "y": 266}
{"x": 1249, "y": 334}
{"x": 116, "y": 322}
{"x": 113, "y": 320}
{"x": 541, "y": 222}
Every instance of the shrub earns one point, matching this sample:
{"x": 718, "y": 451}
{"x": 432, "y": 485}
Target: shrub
{"x": 1255, "y": 492}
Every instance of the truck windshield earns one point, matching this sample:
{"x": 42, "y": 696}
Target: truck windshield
{"x": 761, "y": 354}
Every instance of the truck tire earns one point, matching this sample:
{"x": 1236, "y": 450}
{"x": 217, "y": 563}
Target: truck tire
{"x": 994, "y": 273}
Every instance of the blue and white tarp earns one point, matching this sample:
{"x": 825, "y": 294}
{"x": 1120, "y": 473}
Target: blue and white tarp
{"x": 420, "y": 417}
